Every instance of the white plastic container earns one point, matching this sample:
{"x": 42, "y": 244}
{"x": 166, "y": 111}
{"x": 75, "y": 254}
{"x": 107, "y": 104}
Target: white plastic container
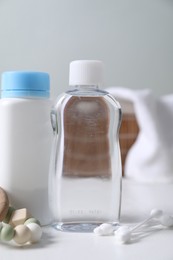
{"x": 25, "y": 141}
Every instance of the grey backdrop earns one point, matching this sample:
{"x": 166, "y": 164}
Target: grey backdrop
{"x": 133, "y": 37}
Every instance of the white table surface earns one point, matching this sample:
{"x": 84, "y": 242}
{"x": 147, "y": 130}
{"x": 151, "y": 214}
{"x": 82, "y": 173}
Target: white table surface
{"x": 153, "y": 243}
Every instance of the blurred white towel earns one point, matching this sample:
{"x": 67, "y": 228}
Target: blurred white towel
{"x": 150, "y": 159}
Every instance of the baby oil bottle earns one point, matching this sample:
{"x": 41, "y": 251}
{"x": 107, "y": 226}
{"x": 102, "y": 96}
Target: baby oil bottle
{"x": 85, "y": 168}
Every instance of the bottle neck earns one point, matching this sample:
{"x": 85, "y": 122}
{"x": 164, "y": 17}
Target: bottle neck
{"x": 86, "y": 87}
{"x": 86, "y": 90}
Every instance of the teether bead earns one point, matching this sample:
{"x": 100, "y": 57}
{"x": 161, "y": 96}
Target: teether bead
{"x": 1, "y": 225}
{"x": 8, "y": 215}
{"x": 7, "y": 233}
{"x": 22, "y": 234}
{"x": 4, "y": 204}
{"x": 19, "y": 216}
{"x": 166, "y": 220}
{"x": 36, "y": 232}
{"x": 32, "y": 220}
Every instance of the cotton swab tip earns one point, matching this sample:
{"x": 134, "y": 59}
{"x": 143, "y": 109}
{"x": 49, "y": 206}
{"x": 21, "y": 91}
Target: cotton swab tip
{"x": 166, "y": 220}
{"x": 123, "y": 235}
{"x": 156, "y": 213}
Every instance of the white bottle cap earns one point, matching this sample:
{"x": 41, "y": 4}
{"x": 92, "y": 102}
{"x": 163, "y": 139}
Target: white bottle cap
{"x": 86, "y": 72}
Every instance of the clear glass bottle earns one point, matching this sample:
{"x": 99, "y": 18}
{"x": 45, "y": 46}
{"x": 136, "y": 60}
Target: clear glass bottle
{"x": 85, "y": 170}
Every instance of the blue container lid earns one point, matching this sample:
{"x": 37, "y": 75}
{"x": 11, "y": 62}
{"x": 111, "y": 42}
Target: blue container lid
{"x": 25, "y": 84}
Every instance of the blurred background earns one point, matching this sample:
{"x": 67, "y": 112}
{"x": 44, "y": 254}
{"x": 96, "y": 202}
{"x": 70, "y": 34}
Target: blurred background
{"x": 134, "y": 38}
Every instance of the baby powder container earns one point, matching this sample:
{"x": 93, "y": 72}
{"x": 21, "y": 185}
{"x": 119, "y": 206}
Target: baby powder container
{"x": 85, "y": 172}
{"x": 25, "y": 141}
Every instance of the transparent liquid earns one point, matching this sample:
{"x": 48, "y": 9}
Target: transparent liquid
{"x": 85, "y": 173}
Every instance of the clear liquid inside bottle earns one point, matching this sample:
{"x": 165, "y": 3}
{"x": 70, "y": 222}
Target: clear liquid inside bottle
{"x": 85, "y": 172}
